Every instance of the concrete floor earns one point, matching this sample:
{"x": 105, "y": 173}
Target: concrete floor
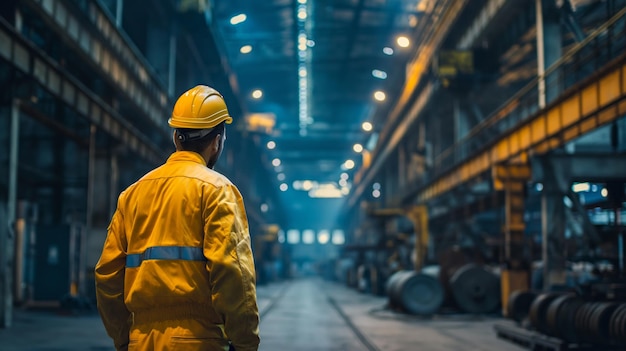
{"x": 304, "y": 314}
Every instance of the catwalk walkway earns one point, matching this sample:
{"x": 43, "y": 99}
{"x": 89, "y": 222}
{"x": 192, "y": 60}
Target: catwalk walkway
{"x": 304, "y": 315}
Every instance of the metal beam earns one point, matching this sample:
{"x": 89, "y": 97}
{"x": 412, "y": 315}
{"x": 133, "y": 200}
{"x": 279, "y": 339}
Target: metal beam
{"x": 391, "y": 136}
{"x": 582, "y": 168}
{"x": 594, "y": 103}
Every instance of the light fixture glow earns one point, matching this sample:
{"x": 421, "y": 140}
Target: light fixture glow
{"x": 302, "y": 72}
{"x": 403, "y": 41}
{"x": 604, "y": 192}
{"x": 388, "y": 51}
{"x": 280, "y": 176}
{"x": 307, "y": 185}
{"x": 376, "y": 193}
{"x": 302, "y": 14}
{"x": 271, "y": 144}
{"x": 257, "y": 94}
{"x": 246, "y": 49}
{"x": 357, "y": 148}
{"x": 310, "y": 43}
{"x": 379, "y": 95}
{"x": 284, "y": 187}
{"x": 276, "y": 162}
{"x": 367, "y": 126}
{"x": 344, "y": 176}
{"x": 581, "y": 187}
{"x": 349, "y": 164}
{"x": 238, "y": 19}
{"x": 302, "y": 1}
{"x": 379, "y": 74}
{"x": 376, "y": 186}
{"x": 264, "y": 208}
{"x": 343, "y": 182}
{"x": 323, "y": 236}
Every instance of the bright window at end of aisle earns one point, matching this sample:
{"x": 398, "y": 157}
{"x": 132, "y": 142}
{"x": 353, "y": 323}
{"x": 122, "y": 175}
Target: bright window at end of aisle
{"x": 338, "y": 237}
{"x": 308, "y": 236}
{"x": 323, "y": 236}
{"x": 293, "y": 236}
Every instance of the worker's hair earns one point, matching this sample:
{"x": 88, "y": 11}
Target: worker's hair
{"x": 198, "y": 145}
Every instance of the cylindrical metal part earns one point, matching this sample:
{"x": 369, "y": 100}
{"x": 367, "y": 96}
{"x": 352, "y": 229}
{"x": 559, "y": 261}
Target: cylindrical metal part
{"x": 414, "y": 292}
{"x": 475, "y": 289}
{"x": 519, "y": 303}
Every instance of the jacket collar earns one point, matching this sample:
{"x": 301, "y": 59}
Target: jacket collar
{"x": 188, "y": 156}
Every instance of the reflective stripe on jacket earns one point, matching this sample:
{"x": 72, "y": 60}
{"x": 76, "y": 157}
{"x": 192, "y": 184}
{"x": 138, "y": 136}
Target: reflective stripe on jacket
{"x": 180, "y": 204}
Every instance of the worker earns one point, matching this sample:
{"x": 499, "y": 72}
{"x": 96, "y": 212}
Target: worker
{"x": 176, "y": 270}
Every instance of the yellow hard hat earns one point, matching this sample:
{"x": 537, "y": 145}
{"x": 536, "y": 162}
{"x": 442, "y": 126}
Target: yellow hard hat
{"x": 200, "y": 107}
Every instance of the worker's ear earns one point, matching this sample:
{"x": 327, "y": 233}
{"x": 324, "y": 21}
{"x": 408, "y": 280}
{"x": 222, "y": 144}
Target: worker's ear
{"x": 217, "y": 142}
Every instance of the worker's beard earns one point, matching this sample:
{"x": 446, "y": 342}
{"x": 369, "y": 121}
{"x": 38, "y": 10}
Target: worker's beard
{"x": 213, "y": 160}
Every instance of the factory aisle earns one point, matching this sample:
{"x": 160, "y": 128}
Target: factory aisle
{"x": 312, "y": 314}
{"x": 303, "y": 314}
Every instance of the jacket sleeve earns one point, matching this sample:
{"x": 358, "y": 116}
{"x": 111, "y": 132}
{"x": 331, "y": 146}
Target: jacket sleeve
{"x": 231, "y": 266}
{"x": 109, "y": 275}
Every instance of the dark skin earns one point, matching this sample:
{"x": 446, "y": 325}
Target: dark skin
{"x": 211, "y": 152}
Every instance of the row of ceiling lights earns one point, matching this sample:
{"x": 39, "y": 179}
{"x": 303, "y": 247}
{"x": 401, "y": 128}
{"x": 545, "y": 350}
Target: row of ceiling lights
{"x": 303, "y": 45}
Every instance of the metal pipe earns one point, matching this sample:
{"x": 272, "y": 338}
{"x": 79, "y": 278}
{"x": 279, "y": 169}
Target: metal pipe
{"x": 119, "y": 12}
{"x": 541, "y": 63}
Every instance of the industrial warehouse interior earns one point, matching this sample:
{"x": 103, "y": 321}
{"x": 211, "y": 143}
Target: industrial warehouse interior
{"x": 416, "y": 174}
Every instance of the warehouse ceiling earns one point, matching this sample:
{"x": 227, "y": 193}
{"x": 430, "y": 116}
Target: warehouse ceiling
{"x": 306, "y": 73}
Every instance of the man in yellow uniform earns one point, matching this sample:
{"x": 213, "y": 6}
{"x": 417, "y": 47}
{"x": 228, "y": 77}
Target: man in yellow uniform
{"x": 176, "y": 271}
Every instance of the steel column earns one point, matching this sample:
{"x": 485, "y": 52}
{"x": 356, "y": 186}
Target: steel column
{"x": 549, "y": 49}
{"x": 515, "y": 274}
{"x": 6, "y": 236}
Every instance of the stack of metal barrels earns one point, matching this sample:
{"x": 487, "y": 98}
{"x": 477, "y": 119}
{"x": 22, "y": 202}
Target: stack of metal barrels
{"x": 571, "y": 317}
{"x": 472, "y": 288}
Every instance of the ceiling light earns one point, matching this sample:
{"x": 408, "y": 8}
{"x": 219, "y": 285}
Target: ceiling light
{"x": 367, "y": 126}
{"x": 264, "y": 208}
{"x": 376, "y": 193}
{"x": 307, "y": 185}
{"x": 376, "y": 186}
{"x": 310, "y": 43}
{"x": 281, "y": 176}
{"x": 276, "y": 162}
{"x": 581, "y": 187}
{"x": 302, "y": 14}
{"x": 379, "y": 95}
{"x": 379, "y": 74}
{"x": 344, "y": 176}
{"x": 388, "y": 51}
{"x": 403, "y": 41}
{"x": 302, "y": 1}
{"x": 271, "y": 144}
{"x": 357, "y": 147}
{"x": 343, "y": 182}
{"x": 349, "y": 164}
{"x": 238, "y": 19}
{"x": 284, "y": 187}
{"x": 412, "y": 21}
{"x": 246, "y": 49}
{"x": 257, "y": 94}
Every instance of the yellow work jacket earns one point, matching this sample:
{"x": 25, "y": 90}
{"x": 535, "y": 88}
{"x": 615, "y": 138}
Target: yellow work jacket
{"x": 180, "y": 204}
